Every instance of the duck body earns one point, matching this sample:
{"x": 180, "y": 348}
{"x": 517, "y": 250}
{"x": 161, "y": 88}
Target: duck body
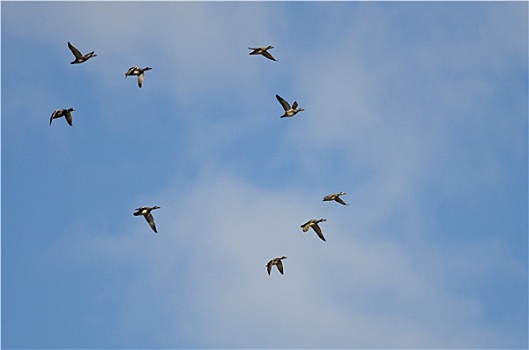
{"x": 146, "y": 212}
{"x": 290, "y": 111}
{"x": 314, "y": 224}
{"x": 262, "y": 51}
{"x": 79, "y": 57}
{"x": 58, "y": 113}
{"x": 140, "y": 72}
{"x": 277, "y": 262}
{"x": 335, "y": 197}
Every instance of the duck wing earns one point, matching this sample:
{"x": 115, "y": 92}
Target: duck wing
{"x": 295, "y": 105}
{"x": 140, "y": 79}
{"x": 305, "y": 227}
{"x": 68, "y": 117}
{"x": 318, "y": 231}
{"x": 328, "y": 198}
{"x": 280, "y": 266}
{"x": 75, "y": 52}
{"x": 268, "y": 55}
{"x": 269, "y": 267}
{"x": 55, "y": 114}
{"x": 150, "y": 220}
{"x": 130, "y": 71}
{"x": 285, "y": 104}
{"x": 339, "y": 200}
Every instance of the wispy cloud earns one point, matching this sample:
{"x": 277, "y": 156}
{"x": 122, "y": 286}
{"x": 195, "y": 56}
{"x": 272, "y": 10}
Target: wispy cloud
{"x": 203, "y": 278}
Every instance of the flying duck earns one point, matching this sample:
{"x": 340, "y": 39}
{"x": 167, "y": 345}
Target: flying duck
{"x": 139, "y": 72}
{"x": 314, "y": 224}
{"x": 79, "y": 57}
{"x": 289, "y": 111}
{"x": 335, "y": 197}
{"x": 63, "y": 113}
{"x": 262, "y": 51}
{"x": 277, "y": 262}
{"x": 146, "y": 212}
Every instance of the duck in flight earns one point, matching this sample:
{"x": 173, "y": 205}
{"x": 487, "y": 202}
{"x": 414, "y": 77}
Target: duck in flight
{"x": 79, "y": 57}
{"x": 335, "y": 197}
{"x": 146, "y": 212}
{"x": 140, "y": 72}
{"x": 262, "y": 51}
{"x": 277, "y": 262}
{"x": 289, "y": 111}
{"x": 314, "y": 224}
{"x": 58, "y": 113}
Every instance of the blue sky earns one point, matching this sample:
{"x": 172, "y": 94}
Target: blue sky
{"x": 417, "y": 110}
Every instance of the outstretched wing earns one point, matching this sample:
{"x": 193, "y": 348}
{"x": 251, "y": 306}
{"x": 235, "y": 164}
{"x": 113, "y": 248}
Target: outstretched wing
{"x": 140, "y": 79}
{"x": 284, "y": 103}
{"x": 318, "y": 231}
{"x": 75, "y": 52}
{"x": 55, "y": 114}
{"x": 339, "y": 200}
{"x": 268, "y": 55}
{"x": 150, "y": 220}
{"x": 269, "y": 266}
{"x": 280, "y": 266}
{"x": 68, "y": 117}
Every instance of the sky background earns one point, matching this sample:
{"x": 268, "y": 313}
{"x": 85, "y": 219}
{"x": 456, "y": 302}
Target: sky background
{"x": 417, "y": 110}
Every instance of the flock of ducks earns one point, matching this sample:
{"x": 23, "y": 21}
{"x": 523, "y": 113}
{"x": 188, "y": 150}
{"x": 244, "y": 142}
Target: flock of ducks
{"x": 289, "y": 111}
{"x": 313, "y": 223}
{"x": 80, "y": 58}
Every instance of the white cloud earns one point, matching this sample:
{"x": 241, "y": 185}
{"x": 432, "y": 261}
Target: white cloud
{"x": 203, "y": 277}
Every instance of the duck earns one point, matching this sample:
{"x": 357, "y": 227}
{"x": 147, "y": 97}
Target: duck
{"x": 314, "y": 224}
{"x": 63, "y": 113}
{"x": 79, "y": 57}
{"x": 335, "y": 197}
{"x": 146, "y": 212}
{"x": 277, "y": 262}
{"x": 262, "y": 51}
{"x": 139, "y": 72}
{"x": 289, "y": 111}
